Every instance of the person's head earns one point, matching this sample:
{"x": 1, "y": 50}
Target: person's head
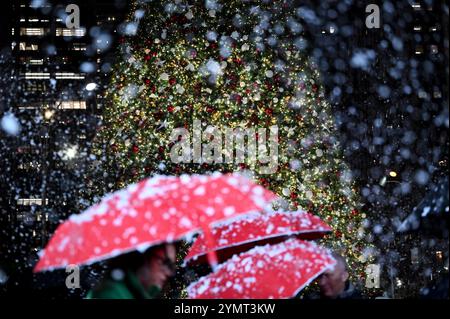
{"x": 153, "y": 268}
{"x": 158, "y": 266}
{"x": 332, "y": 282}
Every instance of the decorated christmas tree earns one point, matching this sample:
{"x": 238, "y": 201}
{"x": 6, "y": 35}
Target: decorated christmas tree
{"x": 204, "y": 86}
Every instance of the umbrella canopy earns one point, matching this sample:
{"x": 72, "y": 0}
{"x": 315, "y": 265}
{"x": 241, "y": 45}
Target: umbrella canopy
{"x": 151, "y": 212}
{"x": 265, "y": 272}
{"x": 261, "y": 228}
{"x": 433, "y": 207}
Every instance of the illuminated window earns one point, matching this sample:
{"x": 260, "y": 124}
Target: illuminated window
{"x": 33, "y": 31}
{"x": 29, "y": 165}
{"x": 65, "y": 32}
{"x": 35, "y": 86}
{"x": 36, "y": 75}
{"x": 31, "y": 201}
{"x": 36, "y": 61}
{"x": 437, "y": 94}
{"x": 79, "y": 47}
{"x": 416, "y": 6}
{"x": 422, "y": 94}
{"x": 28, "y": 47}
{"x": 29, "y": 107}
{"x": 29, "y": 60}
{"x": 69, "y": 75}
{"x": 418, "y": 28}
{"x": 72, "y": 105}
{"x": 419, "y": 50}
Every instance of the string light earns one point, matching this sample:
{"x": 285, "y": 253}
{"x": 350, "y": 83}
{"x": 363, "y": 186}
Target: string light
{"x": 164, "y": 83}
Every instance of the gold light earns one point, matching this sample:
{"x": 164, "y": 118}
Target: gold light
{"x": 48, "y": 114}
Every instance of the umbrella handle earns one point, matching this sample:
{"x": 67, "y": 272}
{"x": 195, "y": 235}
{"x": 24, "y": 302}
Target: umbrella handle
{"x": 212, "y": 259}
{"x": 211, "y": 243}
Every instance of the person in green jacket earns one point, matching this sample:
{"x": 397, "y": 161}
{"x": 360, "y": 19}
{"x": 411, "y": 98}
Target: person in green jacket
{"x": 136, "y": 275}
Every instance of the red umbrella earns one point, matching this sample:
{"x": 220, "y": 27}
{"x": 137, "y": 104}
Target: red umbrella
{"x": 248, "y": 231}
{"x": 151, "y": 212}
{"x": 265, "y": 272}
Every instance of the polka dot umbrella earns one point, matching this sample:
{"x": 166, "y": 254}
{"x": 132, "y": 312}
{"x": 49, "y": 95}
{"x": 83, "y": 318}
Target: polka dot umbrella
{"x": 154, "y": 211}
{"x": 248, "y": 231}
{"x": 265, "y": 272}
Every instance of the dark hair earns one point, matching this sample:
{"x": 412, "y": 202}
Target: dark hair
{"x": 132, "y": 260}
{"x": 135, "y": 259}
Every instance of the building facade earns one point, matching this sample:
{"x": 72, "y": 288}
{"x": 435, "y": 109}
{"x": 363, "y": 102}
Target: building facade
{"x": 62, "y": 53}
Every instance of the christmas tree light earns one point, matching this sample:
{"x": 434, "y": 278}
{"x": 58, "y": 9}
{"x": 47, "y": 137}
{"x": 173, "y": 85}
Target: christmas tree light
{"x": 231, "y": 66}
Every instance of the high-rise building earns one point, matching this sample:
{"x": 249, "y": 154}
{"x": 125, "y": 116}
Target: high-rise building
{"x": 422, "y": 260}
{"x": 61, "y": 67}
